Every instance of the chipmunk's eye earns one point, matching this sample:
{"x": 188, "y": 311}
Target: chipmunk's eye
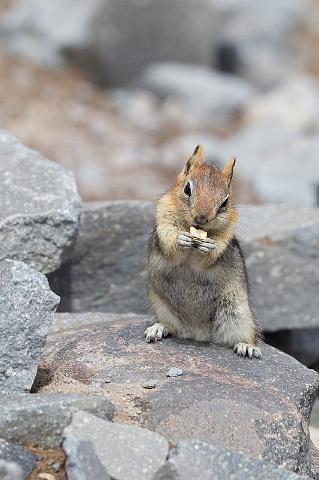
{"x": 224, "y": 204}
{"x": 187, "y": 189}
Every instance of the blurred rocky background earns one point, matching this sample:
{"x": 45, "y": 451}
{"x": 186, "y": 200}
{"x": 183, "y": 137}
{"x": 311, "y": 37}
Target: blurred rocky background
{"x": 122, "y": 90}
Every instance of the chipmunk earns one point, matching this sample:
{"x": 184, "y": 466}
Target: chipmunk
{"x": 198, "y": 286}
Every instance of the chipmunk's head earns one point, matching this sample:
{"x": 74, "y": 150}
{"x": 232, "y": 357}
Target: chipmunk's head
{"x": 204, "y": 193}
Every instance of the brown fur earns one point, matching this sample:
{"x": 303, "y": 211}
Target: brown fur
{"x": 194, "y": 293}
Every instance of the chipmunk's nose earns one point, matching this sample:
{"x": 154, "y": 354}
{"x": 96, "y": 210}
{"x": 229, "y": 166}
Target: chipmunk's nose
{"x": 201, "y": 219}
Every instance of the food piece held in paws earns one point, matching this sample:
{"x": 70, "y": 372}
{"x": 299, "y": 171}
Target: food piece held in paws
{"x": 197, "y": 233}
{"x": 197, "y": 279}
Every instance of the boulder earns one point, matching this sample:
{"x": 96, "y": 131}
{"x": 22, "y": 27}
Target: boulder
{"x": 82, "y": 462}
{"x": 194, "y": 459}
{"x": 213, "y": 96}
{"x": 19, "y": 456}
{"x": 40, "y": 207}
{"x": 260, "y": 408}
{"x": 126, "y": 451}
{"x": 280, "y": 244}
{"x": 39, "y": 420}
{"x": 97, "y": 35}
{"x": 27, "y": 306}
{"x": 280, "y": 163}
{"x": 259, "y": 44}
{"x": 107, "y": 269}
{"x": 293, "y": 102}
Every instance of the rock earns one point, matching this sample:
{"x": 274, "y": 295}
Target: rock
{"x": 111, "y": 276}
{"x": 40, "y": 419}
{"x": 82, "y": 462}
{"x": 97, "y": 35}
{"x": 174, "y": 372}
{"x": 150, "y": 384}
{"x": 126, "y": 451}
{"x": 280, "y": 244}
{"x": 210, "y": 94}
{"x": 10, "y": 471}
{"x": 257, "y": 408}
{"x": 262, "y": 44}
{"x": 194, "y": 459}
{"x": 271, "y": 156}
{"x": 294, "y": 103}
{"x": 19, "y": 455}
{"x": 40, "y": 207}
{"x": 26, "y": 312}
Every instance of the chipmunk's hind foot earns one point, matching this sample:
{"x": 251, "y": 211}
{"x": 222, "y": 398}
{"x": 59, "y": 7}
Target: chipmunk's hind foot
{"x": 245, "y": 349}
{"x": 156, "y": 332}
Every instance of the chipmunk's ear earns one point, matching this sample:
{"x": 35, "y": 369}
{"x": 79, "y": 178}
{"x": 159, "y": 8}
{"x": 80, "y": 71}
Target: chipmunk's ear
{"x": 196, "y": 158}
{"x": 229, "y": 169}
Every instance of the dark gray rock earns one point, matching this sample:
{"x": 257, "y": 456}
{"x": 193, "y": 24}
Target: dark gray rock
{"x": 126, "y": 451}
{"x": 194, "y": 459}
{"x": 10, "y": 471}
{"x": 97, "y": 35}
{"x": 107, "y": 268}
{"x": 259, "y": 408}
{"x": 40, "y": 207}
{"x": 82, "y": 462}
{"x": 19, "y": 455}
{"x": 27, "y": 306}
{"x": 40, "y": 419}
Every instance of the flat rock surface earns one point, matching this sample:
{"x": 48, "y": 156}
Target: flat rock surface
{"x": 281, "y": 247}
{"x": 197, "y": 460}
{"x": 258, "y": 408}
{"x": 126, "y": 452}
{"x": 40, "y": 206}
{"x": 27, "y": 306}
{"x": 107, "y": 269}
{"x": 39, "y": 420}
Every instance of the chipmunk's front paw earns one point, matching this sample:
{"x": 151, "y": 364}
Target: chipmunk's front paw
{"x": 244, "y": 349}
{"x": 206, "y": 245}
{"x": 156, "y": 332}
{"x": 184, "y": 239}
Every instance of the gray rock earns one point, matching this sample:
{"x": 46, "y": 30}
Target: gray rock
{"x": 174, "y": 372}
{"x": 10, "y": 471}
{"x": 280, "y": 244}
{"x": 258, "y": 408}
{"x": 261, "y": 43}
{"x": 40, "y": 207}
{"x": 97, "y": 35}
{"x": 293, "y": 102}
{"x": 107, "y": 268}
{"x": 40, "y": 419}
{"x": 26, "y": 312}
{"x": 194, "y": 459}
{"x": 125, "y": 451}
{"x": 19, "y": 455}
{"x": 82, "y": 462}
{"x": 212, "y": 95}
{"x": 271, "y": 157}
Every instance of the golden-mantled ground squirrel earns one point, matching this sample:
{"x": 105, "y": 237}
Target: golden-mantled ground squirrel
{"x": 198, "y": 284}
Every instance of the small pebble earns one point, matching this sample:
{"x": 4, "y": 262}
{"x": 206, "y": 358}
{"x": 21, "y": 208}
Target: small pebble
{"x": 56, "y": 466}
{"x": 174, "y": 372}
{"x": 150, "y": 384}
